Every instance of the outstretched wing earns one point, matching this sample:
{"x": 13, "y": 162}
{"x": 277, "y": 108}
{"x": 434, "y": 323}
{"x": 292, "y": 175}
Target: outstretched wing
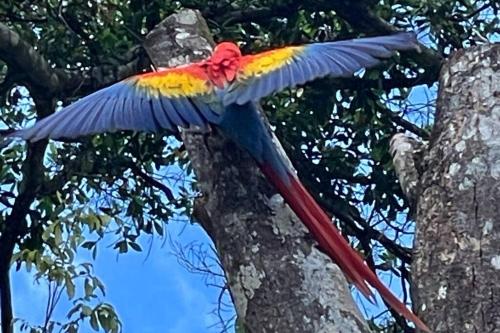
{"x": 167, "y": 99}
{"x": 267, "y": 72}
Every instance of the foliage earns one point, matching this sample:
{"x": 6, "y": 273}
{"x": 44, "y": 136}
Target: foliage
{"x": 336, "y": 131}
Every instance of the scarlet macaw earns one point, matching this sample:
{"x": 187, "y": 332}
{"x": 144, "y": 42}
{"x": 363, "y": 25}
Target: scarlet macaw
{"x": 224, "y": 91}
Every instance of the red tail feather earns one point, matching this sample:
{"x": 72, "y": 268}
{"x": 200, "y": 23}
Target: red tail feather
{"x": 332, "y": 242}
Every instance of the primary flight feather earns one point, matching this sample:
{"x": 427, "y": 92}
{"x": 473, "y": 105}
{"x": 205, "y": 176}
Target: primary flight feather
{"x": 224, "y": 91}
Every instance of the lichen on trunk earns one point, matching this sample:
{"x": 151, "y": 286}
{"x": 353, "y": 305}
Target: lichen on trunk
{"x": 456, "y": 267}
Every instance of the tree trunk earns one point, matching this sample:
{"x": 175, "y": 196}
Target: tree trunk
{"x": 280, "y": 282}
{"x": 457, "y": 264}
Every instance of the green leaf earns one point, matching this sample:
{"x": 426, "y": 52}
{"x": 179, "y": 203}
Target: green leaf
{"x": 70, "y": 287}
{"x": 99, "y": 285}
{"x": 88, "y": 244}
{"x": 135, "y": 246}
{"x": 93, "y": 321}
{"x": 121, "y": 246}
{"x": 73, "y": 310}
{"x": 72, "y": 329}
{"x": 158, "y": 227}
{"x": 105, "y": 321}
{"x": 86, "y": 311}
{"x": 89, "y": 288}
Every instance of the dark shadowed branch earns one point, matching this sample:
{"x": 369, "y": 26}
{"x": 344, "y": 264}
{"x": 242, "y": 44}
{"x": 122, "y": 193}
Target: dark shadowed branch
{"x": 40, "y": 76}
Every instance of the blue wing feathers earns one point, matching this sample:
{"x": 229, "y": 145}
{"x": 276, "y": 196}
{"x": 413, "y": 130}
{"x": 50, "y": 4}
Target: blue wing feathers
{"x": 320, "y": 65}
{"x": 94, "y": 118}
{"x": 118, "y": 112}
{"x": 367, "y": 48}
{"x": 347, "y": 63}
{"x": 316, "y": 67}
{"x": 363, "y": 59}
{"x": 148, "y": 118}
{"x": 280, "y": 78}
{"x": 66, "y": 122}
{"x": 203, "y": 111}
{"x": 174, "y": 118}
{"x": 190, "y": 112}
{"x": 111, "y": 117}
{"x": 78, "y": 120}
{"x": 287, "y": 76}
{"x": 243, "y": 94}
{"x": 297, "y": 73}
{"x": 177, "y": 107}
{"x": 210, "y": 115}
{"x": 336, "y": 67}
{"x": 161, "y": 114}
{"x": 264, "y": 86}
{"x": 122, "y": 106}
{"x": 339, "y": 59}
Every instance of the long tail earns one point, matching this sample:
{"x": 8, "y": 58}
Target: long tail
{"x": 332, "y": 242}
{"x": 242, "y": 123}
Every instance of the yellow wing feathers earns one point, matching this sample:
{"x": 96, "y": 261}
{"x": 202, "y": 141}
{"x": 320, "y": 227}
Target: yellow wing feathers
{"x": 262, "y": 63}
{"x": 177, "y": 82}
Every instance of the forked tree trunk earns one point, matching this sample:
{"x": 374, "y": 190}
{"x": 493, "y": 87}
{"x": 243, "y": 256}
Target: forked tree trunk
{"x": 278, "y": 280}
{"x": 457, "y": 264}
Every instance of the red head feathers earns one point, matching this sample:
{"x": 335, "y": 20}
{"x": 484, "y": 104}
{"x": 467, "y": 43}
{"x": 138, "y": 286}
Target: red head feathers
{"x": 224, "y": 63}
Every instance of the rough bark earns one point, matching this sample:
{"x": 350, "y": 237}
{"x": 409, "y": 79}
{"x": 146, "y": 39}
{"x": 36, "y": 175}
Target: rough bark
{"x": 279, "y": 281}
{"x": 6, "y": 300}
{"x": 15, "y": 225}
{"x": 406, "y": 157}
{"x": 457, "y": 264}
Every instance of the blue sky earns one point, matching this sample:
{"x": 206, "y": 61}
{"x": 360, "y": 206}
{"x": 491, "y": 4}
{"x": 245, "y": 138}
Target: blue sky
{"x": 150, "y": 293}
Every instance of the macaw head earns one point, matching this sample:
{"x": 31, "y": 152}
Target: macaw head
{"x": 226, "y": 50}
{"x": 224, "y": 63}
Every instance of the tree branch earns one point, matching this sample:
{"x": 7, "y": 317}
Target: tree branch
{"x": 352, "y": 218}
{"x": 15, "y": 225}
{"x": 12, "y": 17}
{"x": 151, "y": 181}
{"x": 385, "y": 84}
{"x": 81, "y": 84}
{"x": 91, "y": 168}
{"x": 409, "y": 126}
{"x": 255, "y": 15}
{"x": 406, "y": 153}
{"x": 361, "y": 17}
{"x": 6, "y": 299}
{"x": 23, "y": 57}
{"x": 40, "y": 77}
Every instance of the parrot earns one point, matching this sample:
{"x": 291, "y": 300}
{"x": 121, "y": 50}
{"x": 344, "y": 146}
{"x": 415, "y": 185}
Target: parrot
{"x": 223, "y": 92}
